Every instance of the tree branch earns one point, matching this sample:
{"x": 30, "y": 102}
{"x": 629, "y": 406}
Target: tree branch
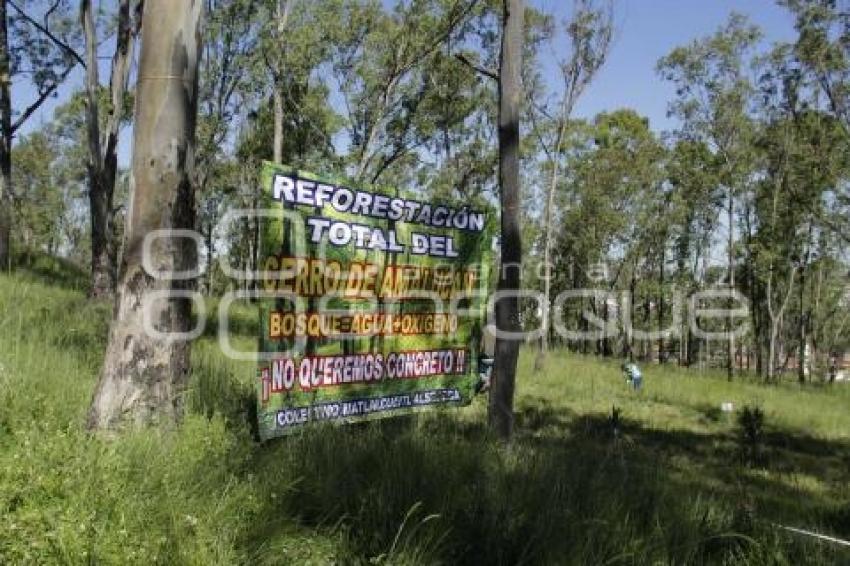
{"x": 489, "y": 73}
{"x": 43, "y": 29}
{"x": 44, "y": 95}
{"x": 51, "y": 10}
{"x": 446, "y": 33}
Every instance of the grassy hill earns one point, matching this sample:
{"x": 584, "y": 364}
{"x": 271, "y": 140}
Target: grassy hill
{"x": 678, "y": 482}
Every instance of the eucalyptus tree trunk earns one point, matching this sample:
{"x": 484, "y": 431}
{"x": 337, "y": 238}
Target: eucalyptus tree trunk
{"x": 802, "y": 352}
{"x": 590, "y": 31}
{"x": 278, "y": 124}
{"x": 776, "y": 319}
{"x": 630, "y": 336}
{"x": 545, "y": 322}
{"x": 145, "y": 373}
{"x": 730, "y": 343}
{"x": 814, "y": 307}
{"x": 283, "y": 8}
{"x": 802, "y": 328}
{"x": 5, "y": 141}
{"x": 662, "y": 353}
{"x": 507, "y": 310}
{"x": 103, "y": 149}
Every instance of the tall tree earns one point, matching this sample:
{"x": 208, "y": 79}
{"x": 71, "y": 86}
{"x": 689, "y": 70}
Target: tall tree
{"x": 507, "y": 309}
{"x": 821, "y": 56}
{"x": 103, "y": 145}
{"x": 49, "y": 54}
{"x": 5, "y": 138}
{"x": 282, "y": 18}
{"x": 622, "y": 180}
{"x": 776, "y": 253}
{"x": 804, "y": 151}
{"x": 386, "y": 65}
{"x": 713, "y": 97}
{"x": 40, "y": 205}
{"x": 614, "y": 196}
{"x": 227, "y": 93}
{"x": 144, "y": 373}
{"x": 589, "y": 29}
{"x": 692, "y": 172}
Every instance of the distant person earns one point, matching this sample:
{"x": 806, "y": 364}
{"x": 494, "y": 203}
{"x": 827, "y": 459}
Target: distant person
{"x": 633, "y": 375}
{"x": 486, "y": 357}
{"x": 833, "y": 370}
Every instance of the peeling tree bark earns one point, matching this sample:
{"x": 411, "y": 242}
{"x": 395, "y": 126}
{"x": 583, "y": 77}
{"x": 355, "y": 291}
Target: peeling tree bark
{"x": 503, "y": 382}
{"x": 144, "y": 375}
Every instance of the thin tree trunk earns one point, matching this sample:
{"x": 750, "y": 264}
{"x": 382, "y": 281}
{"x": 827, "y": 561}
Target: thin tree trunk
{"x": 5, "y": 142}
{"x": 758, "y": 316}
{"x": 143, "y": 373}
{"x": 801, "y": 356}
{"x": 814, "y": 308}
{"x": 589, "y": 49}
{"x": 646, "y": 345}
{"x": 547, "y": 241}
{"x": 507, "y": 310}
{"x": 630, "y": 339}
{"x": 583, "y": 325}
{"x": 730, "y": 345}
{"x": 103, "y": 153}
{"x": 771, "y": 352}
{"x": 750, "y": 281}
{"x": 661, "y": 352}
{"x": 210, "y": 256}
{"x": 776, "y": 319}
{"x": 255, "y": 231}
{"x": 278, "y": 123}
{"x": 547, "y": 262}
{"x": 283, "y": 7}
{"x": 802, "y": 360}
{"x": 683, "y": 249}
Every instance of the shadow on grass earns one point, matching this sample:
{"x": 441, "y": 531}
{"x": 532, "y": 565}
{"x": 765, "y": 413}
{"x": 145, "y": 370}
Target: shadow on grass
{"x": 52, "y": 270}
{"x": 784, "y": 487}
{"x": 435, "y": 488}
{"x": 568, "y": 490}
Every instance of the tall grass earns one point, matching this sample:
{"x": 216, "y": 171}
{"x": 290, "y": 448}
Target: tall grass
{"x": 421, "y": 490}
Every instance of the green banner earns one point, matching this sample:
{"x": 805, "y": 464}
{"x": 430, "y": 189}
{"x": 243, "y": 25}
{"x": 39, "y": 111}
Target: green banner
{"x": 371, "y": 302}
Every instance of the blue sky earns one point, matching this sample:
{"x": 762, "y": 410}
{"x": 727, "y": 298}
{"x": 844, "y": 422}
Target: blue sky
{"x": 649, "y": 29}
{"x": 646, "y": 31}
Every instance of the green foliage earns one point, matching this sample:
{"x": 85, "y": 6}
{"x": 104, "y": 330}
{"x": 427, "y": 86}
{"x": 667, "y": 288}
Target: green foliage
{"x": 433, "y": 489}
{"x": 44, "y": 268}
{"x": 614, "y": 192}
{"x": 50, "y": 183}
{"x": 39, "y": 203}
{"x": 376, "y": 91}
{"x": 35, "y": 57}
